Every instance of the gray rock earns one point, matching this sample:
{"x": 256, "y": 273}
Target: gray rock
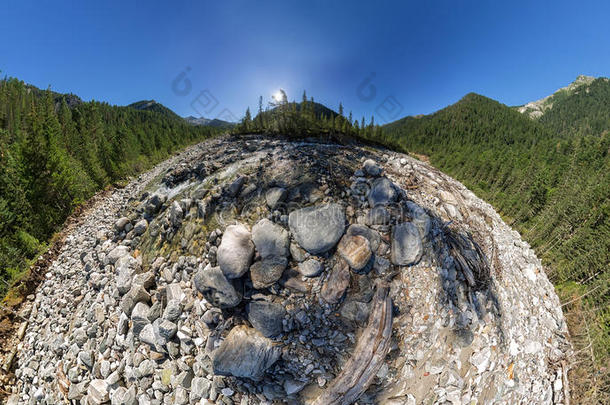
{"x": 172, "y": 311}
{"x": 140, "y": 227}
{"x": 120, "y": 224}
{"x": 155, "y": 202}
{"x": 419, "y": 218}
{"x": 175, "y": 214}
{"x": 212, "y": 283}
{"x": 105, "y": 368}
{"x": 372, "y": 235}
{"x": 125, "y": 267}
{"x": 146, "y": 368}
{"x": 173, "y": 291}
{"x": 274, "y": 196}
{"x": 136, "y": 294}
{"x": 98, "y": 392}
{"x": 116, "y": 253}
{"x": 481, "y": 359}
{"x": 235, "y": 186}
{"x": 371, "y": 168}
{"x": 381, "y": 264}
{"x": 147, "y": 335}
{"x": 146, "y": 280}
{"x": 267, "y": 271}
{"x": 245, "y": 353}
{"x": 167, "y": 329}
{"x": 317, "y": 229}
{"x": 355, "y": 311}
{"x": 266, "y": 317}
{"x": 311, "y": 268}
{"x": 75, "y": 392}
{"x": 200, "y": 387}
{"x": 235, "y": 252}
{"x": 113, "y": 378}
{"x": 180, "y": 396}
{"x": 124, "y": 396}
{"x": 407, "y": 246}
{"x": 270, "y": 239}
{"x": 248, "y": 190}
{"x": 86, "y": 358}
{"x": 297, "y": 253}
{"x": 292, "y": 386}
{"x": 382, "y": 192}
{"x": 139, "y": 317}
{"x": 378, "y": 215}
{"x": 204, "y": 208}
{"x": 123, "y": 324}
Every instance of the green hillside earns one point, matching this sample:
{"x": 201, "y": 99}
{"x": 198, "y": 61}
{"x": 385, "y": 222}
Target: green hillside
{"x": 56, "y": 152}
{"x": 152, "y": 105}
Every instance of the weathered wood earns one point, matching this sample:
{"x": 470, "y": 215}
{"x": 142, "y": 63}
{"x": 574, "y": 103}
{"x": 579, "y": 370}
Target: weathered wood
{"x": 337, "y": 282}
{"x": 8, "y": 362}
{"x": 368, "y": 356}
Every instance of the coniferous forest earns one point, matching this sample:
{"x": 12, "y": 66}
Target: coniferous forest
{"x": 57, "y": 151}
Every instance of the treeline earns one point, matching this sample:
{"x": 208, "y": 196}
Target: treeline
{"x": 56, "y": 152}
{"x": 303, "y": 119}
{"x": 550, "y": 179}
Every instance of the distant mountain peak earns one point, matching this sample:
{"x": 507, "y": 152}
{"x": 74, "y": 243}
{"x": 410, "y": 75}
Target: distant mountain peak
{"x": 536, "y": 109}
{"x": 210, "y": 122}
{"x": 152, "y": 105}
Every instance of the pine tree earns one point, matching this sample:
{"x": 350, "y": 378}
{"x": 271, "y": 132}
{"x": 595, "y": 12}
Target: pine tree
{"x": 247, "y": 121}
{"x": 259, "y": 117}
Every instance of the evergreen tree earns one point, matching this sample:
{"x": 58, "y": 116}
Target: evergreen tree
{"x": 259, "y": 117}
{"x": 247, "y": 121}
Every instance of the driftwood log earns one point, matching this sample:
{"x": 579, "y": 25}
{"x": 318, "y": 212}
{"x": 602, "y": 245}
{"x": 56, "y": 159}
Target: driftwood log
{"x": 369, "y": 354}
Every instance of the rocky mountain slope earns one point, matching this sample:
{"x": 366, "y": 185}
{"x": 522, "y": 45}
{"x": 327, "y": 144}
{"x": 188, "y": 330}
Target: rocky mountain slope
{"x": 536, "y": 109}
{"x": 261, "y": 270}
{"x": 211, "y": 122}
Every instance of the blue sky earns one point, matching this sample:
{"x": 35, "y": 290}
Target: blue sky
{"x": 385, "y": 58}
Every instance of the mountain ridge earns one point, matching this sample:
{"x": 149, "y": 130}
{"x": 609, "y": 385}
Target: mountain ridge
{"x": 536, "y": 109}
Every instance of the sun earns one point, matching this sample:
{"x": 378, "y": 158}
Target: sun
{"x": 277, "y": 96}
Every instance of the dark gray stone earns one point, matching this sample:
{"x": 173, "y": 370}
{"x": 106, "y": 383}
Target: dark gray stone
{"x": 382, "y": 192}
{"x": 233, "y": 188}
{"x": 274, "y": 196}
{"x": 311, "y": 268}
{"x": 378, "y": 215}
{"x": 407, "y": 246}
{"x": 212, "y": 283}
{"x": 267, "y": 271}
{"x": 270, "y": 239}
{"x": 371, "y": 167}
{"x": 266, "y": 317}
{"x": 317, "y": 229}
